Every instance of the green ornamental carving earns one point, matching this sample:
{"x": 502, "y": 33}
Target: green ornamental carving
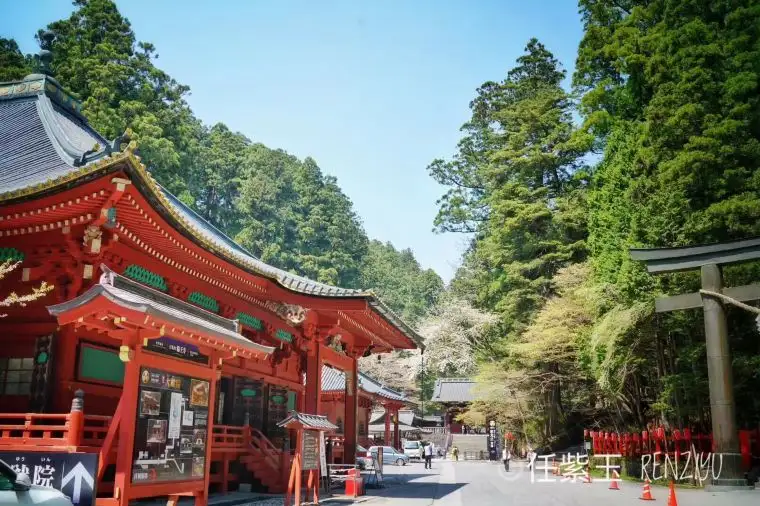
{"x": 11, "y": 254}
{"x": 145, "y": 277}
{"x": 247, "y": 392}
{"x": 250, "y": 321}
{"x": 283, "y": 336}
{"x": 278, "y": 399}
{"x": 204, "y": 301}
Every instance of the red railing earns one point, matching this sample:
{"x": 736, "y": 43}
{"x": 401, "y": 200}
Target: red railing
{"x": 243, "y": 439}
{"x": 675, "y": 442}
{"x": 34, "y": 429}
{"x": 73, "y": 431}
{"x": 95, "y": 430}
{"x": 272, "y": 455}
{"x": 229, "y": 436}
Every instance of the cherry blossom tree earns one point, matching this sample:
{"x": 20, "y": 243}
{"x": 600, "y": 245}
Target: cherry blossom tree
{"x": 21, "y": 300}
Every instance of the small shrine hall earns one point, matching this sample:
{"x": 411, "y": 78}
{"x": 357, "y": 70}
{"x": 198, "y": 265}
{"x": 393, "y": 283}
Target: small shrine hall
{"x": 164, "y": 348}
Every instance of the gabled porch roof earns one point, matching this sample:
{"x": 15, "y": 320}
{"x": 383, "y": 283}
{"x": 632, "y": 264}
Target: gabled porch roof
{"x": 163, "y": 314}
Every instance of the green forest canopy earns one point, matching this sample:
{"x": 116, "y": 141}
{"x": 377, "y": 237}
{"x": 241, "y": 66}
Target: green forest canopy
{"x": 284, "y": 210}
{"x": 667, "y": 93}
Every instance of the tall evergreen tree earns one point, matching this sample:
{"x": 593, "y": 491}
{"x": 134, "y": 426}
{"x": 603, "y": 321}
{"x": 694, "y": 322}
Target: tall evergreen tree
{"x": 515, "y": 183}
{"x": 13, "y": 64}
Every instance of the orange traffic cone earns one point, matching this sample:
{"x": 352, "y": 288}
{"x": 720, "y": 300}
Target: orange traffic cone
{"x": 614, "y": 483}
{"x": 646, "y": 492}
{"x": 672, "y": 501}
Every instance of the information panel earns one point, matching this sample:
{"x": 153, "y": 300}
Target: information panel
{"x": 310, "y": 451}
{"x": 171, "y": 429}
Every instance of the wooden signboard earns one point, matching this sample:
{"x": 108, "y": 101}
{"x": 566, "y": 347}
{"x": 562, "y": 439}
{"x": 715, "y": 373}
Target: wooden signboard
{"x": 310, "y": 450}
{"x": 174, "y": 348}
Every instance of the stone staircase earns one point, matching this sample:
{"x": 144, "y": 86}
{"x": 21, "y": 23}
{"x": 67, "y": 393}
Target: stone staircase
{"x": 471, "y": 446}
{"x": 439, "y": 439}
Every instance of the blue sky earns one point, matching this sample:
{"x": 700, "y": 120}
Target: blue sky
{"x": 372, "y": 90}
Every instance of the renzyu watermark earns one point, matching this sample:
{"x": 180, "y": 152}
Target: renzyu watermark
{"x": 690, "y": 466}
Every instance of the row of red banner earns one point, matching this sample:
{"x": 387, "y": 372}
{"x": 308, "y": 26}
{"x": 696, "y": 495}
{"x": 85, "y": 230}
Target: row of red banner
{"x": 675, "y": 442}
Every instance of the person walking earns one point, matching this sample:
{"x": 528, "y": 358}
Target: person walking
{"x": 455, "y": 452}
{"x": 428, "y": 452}
{"x": 506, "y": 456}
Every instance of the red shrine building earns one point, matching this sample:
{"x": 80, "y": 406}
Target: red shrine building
{"x": 371, "y": 394}
{"x": 165, "y": 349}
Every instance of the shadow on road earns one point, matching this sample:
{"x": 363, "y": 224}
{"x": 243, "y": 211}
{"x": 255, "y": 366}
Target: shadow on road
{"x": 416, "y": 490}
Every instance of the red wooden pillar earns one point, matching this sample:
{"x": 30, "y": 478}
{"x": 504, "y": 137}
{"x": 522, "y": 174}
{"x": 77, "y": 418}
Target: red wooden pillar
{"x": 76, "y": 421}
{"x": 387, "y": 435}
{"x": 352, "y": 412}
{"x": 313, "y": 378}
{"x": 201, "y": 497}
{"x": 127, "y": 427}
{"x": 396, "y": 433}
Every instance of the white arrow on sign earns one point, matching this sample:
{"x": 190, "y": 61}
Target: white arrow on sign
{"x": 78, "y": 473}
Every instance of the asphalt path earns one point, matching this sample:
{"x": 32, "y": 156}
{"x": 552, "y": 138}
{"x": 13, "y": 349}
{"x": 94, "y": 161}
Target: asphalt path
{"x": 487, "y": 484}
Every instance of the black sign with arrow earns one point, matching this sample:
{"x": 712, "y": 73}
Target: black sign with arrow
{"x": 74, "y": 474}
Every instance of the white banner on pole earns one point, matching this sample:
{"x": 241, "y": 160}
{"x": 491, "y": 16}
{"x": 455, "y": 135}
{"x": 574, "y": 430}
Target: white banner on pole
{"x": 322, "y": 455}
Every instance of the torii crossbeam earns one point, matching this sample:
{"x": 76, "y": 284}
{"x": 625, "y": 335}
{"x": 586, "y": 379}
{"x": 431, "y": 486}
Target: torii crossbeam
{"x": 709, "y": 259}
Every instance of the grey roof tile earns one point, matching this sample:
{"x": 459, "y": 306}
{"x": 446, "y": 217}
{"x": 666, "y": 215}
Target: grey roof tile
{"x": 453, "y": 390}
{"x": 310, "y": 421}
{"x": 405, "y": 416}
{"x": 334, "y": 380}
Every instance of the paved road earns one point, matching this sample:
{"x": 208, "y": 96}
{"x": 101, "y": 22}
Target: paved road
{"x": 486, "y": 484}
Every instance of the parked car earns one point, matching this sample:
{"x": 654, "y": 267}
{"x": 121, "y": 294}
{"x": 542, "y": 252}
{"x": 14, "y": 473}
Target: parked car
{"x": 363, "y": 458}
{"x": 413, "y": 449}
{"x": 17, "y": 488}
{"x": 391, "y": 455}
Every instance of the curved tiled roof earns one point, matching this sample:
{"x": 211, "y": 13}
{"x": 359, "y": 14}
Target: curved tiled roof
{"x": 334, "y": 380}
{"x": 41, "y": 140}
{"x": 319, "y": 422}
{"x": 453, "y": 390}
{"x": 45, "y": 143}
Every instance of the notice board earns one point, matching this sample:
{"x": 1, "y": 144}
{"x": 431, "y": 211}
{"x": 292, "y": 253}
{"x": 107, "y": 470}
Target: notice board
{"x": 171, "y": 429}
{"x": 310, "y": 450}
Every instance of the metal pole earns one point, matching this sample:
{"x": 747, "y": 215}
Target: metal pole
{"x": 422, "y": 387}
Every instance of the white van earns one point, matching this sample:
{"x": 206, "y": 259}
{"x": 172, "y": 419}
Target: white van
{"x": 413, "y": 449}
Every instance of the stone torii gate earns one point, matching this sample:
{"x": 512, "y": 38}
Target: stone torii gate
{"x": 709, "y": 259}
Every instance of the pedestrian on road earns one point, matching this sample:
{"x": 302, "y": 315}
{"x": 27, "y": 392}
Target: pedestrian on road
{"x": 531, "y": 458}
{"x": 455, "y": 452}
{"x": 428, "y": 456}
{"x": 506, "y": 456}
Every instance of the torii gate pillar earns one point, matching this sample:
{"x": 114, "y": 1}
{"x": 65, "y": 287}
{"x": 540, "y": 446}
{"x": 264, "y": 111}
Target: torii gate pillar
{"x": 719, "y": 371}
